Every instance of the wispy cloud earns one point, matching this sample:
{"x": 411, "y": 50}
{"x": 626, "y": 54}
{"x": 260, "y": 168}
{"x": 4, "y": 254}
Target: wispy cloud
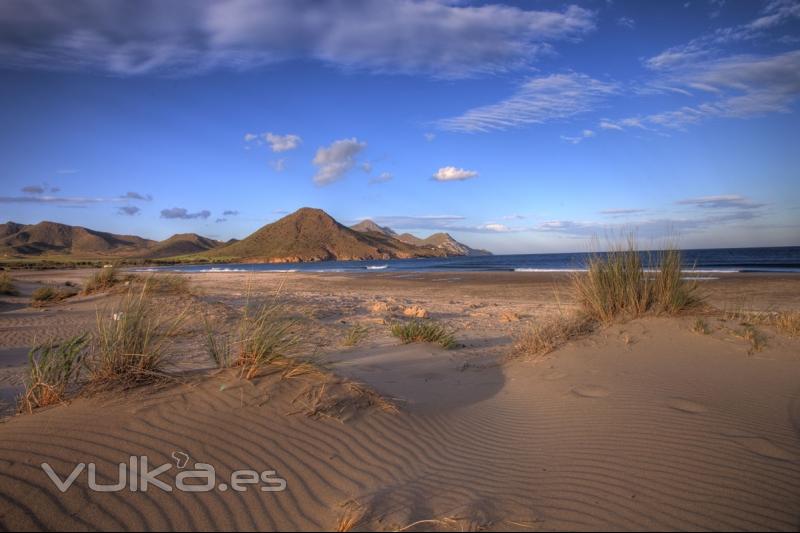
{"x": 336, "y": 160}
{"x": 622, "y": 212}
{"x": 278, "y": 165}
{"x": 454, "y": 174}
{"x": 33, "y": 189}
{"x": 585, "y": 134}
{"x": 277, "y": 143}
{"x": 128, "y": 210}
{"x": 626, "y": 22}
{"x": 383, "y": 177}
{"x": 438, "y": 38}
{"x": 537, "y": 101}
{"x": 184, "y": 214}
{"x": 729, "y": 201}
{"x": 137, "y": 196}
{"x": 230, "y": 213}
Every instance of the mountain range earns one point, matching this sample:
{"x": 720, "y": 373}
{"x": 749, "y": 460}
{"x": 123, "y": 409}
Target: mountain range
{"x": 305, "y": 235}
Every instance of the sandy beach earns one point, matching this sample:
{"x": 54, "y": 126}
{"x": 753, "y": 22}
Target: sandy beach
{"x": 644, "y": 424}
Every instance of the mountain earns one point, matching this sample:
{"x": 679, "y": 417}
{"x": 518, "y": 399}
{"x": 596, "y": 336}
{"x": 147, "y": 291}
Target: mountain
{"x": 182, "y": 244}
{"x": 54, "y": 238}
{"x": 313, "y": 235}
{"x": 446, "y": 242}
{"x": 441, "y": 241}
{"x": 368, "y": 226}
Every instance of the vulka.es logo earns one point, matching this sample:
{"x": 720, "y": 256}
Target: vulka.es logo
{"x": 137, "y": 476}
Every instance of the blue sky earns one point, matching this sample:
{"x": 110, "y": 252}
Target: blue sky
{"x": 518, "y": 127}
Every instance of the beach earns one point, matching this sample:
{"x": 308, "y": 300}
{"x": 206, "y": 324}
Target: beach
{"x": 643, "y": 424}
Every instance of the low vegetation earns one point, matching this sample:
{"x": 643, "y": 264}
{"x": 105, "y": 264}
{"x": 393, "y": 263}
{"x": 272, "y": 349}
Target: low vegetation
{"x": 130, "y": 347}
{"x": 543, "y": 337}
{"x": 49, "y": 295}
{"x": 264, "y": 336}
{"x": 102, "y": 280}
{"x": 701, "y": 327}
{"x": 355, "y": 335}
{"x": 54, "y": 367}
{"x": 753, "y": 336}
{"x": 788, "y": 322}
{"x": 7, "y": 287}
{"x": 619, "y": 285}
{"x": 424, "y": 331}
{"x": 168, "y": 284}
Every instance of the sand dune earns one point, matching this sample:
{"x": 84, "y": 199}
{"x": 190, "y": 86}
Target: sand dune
{"x": 643, "y": 425}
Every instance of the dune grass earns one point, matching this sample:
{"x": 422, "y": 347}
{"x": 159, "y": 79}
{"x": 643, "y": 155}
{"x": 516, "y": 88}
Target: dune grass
{"x": 50, "y": 295}
{"x": 131, "y": 343}
{"x": 424, "y": 331}
{"x": 788, "y": 322}
{"x": 701, "y": 327}
{"x": 168, "y": 284}
{"x": 264, "y": 336}
{"x": 54, "y": 366}
{"x": 7, "y": 287}
{"x": 355, "y": 335}
{"x": 102, "y": 280}
{"x": 619, "y": 285}
{"x": 543, "y": 337}
{"x": 753, "y": 337}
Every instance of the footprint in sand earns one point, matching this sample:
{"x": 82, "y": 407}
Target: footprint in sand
{"x": 590, "y": 391}
{"x": 686, "y": 406}
{"x": 764, "y": 448}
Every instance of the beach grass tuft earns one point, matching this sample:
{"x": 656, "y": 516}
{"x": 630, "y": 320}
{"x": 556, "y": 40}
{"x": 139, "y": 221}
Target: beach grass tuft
{"x": 131, "y": 343}
{"x": 424, "y": 331}
{"x": 102, "y": 280}
{"x": 49, "y": 295}
{"x": 355, "y": 335}
{"x": 543, "y": 337}
{"x": 54, "y": 366}
{"x": 788, "y": 322}
{"x": 618, "y": 284}
{"x": 701, "y": 327}
{"x": 168, "y": 284}
{"x": 7, "y": 287}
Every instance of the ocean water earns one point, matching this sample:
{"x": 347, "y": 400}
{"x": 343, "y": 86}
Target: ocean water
{"x": 711, "y": 261}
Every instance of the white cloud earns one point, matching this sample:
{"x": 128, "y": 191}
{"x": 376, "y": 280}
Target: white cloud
{"x": 626, "y": 22}
{"x": 336, "y": 160}
{"x": 496, "y": 228}
{"x": 454, "y": 174}
{"x": 429, "y": 136}
{"x": 444, "y": 39}
{"x": 282, "y": 143}
{"x": 278, "y": 165}
{"x": 585, "y": 134}
{"x": 383, "y": 177}
{"x": 538, "y": 100}
{"x": 738, "y": 86}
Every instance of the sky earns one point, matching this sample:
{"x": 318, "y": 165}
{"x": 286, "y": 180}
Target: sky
{"x": 519, "y": 127}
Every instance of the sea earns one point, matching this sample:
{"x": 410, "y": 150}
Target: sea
{"x": 700, "y": 262}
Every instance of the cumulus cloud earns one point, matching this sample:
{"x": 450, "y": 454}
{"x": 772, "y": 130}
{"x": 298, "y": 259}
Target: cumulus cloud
{"x": 128, "y": 210}
{"x": 336, "y": 160}
{"x": 537, "y": 101}
{"x": 383, "y": 177}
{"x": 277, "y": 143}
{"x": 181, "y": 213}
{"x": 454, "y": 174}
{"x": 445, "y": 39}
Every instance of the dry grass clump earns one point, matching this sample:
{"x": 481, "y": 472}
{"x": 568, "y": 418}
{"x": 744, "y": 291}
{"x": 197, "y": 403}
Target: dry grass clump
{"x": 355, "y": 335}
{"x": 54, "y": 366}
{"x": 701, "y": 327}
{"x": 102, "y": 280}
{"x": 130, "y": 346}
{"x": 264, "y": 336}
{"x": 7, "y": 286}
{"x": 544, "y": 337}
{"x": 753, "y": 336}
{"x": 424, "y": 331}
{"x": 788, "y": 322}
{"x": 617, "y": 284}
{"x": 168, "y": 284}
{"x": 340, "y": 399}
{"x": 50, "y": 295}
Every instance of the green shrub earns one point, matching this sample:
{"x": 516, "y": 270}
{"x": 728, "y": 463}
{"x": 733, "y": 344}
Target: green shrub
{"x": 54, "y": 366}
{"x": 424, "y": 331}
{"x": 7, "y": 286}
